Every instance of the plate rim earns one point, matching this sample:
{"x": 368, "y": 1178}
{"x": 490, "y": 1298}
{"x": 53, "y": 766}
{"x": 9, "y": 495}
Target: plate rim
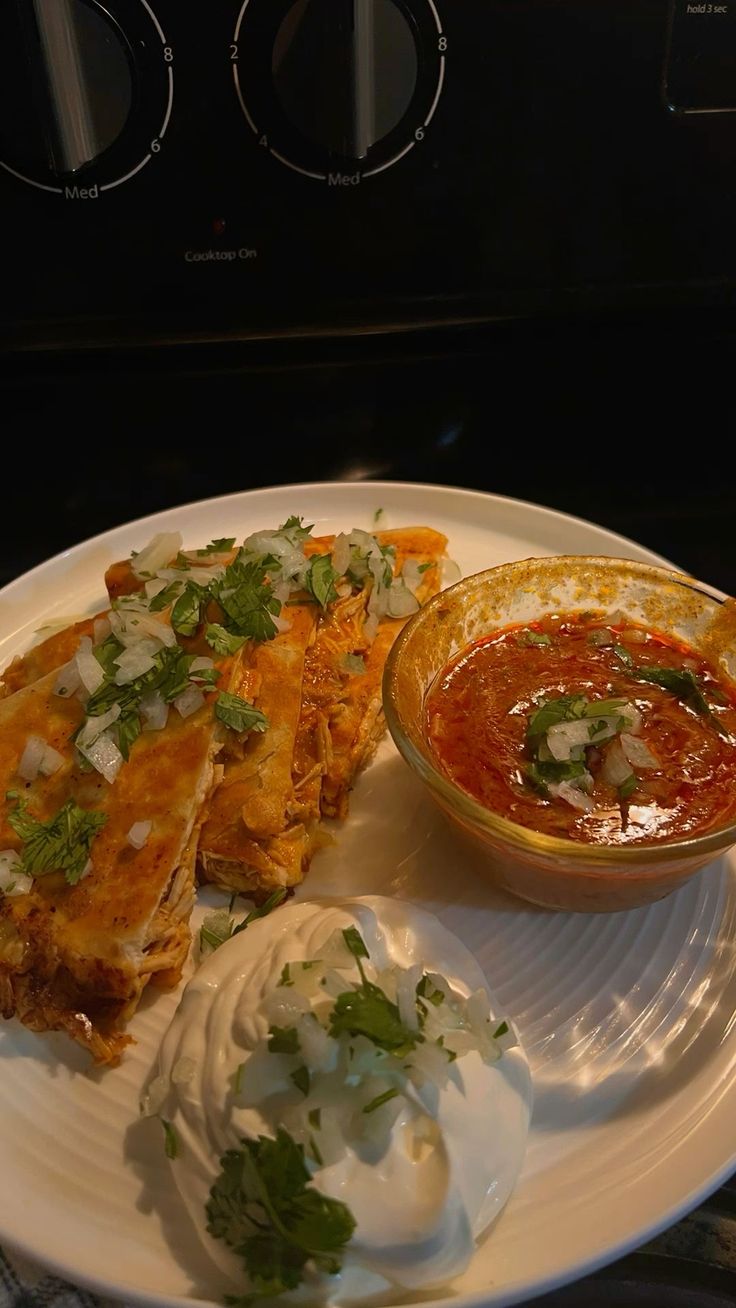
{"x": 521, "y": 1290}
{"x": 71, "y": 551}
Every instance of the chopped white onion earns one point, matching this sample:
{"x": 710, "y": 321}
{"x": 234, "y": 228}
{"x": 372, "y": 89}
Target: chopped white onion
{"x": 183, "y": 1070}
{"x": 281, "y": 624}
{"x": 341, "y": 554}
{"x": 154, "y": 586}
{"x": 135, "y": 661}
{"x": 90, "y": 671}
{"x": 335, "y": 953}
{"x": 307, "y": 980}
{"x": 616, "y": 767}
{"x": 572, "y": 795}
{"x": 51, "y": 762}
{"x": 86, "y": 869}
{"x": 564, "y": 737}
{"x": 601, "y": 637}
{"x": 461, "y": 1042}
{"x": 479, "y": 1008}
{"x": 159, "y": 551}
{"x": 94, "y": 726}
{"x": 292, "y": 563}
{"x": 284, "y": 1006}
{"x": 412, "y": 574}
{"x": 189, "y": 701}
{"x": 30, "y": 760}
{"x": 13, "y": 880}
{"x": 637, "y": 752}
{"x": 102, "y": 630}
{"x": 429, "y": 1062}
{"x": 199, "y": 664}
{"x": 401, "y": 601}
{"x": 155, "y": 1097}
{"x": 154, "y": 711}
{"x": 104, "y": 756}
{"x": 139, "y": 833}
{"x": 406, "y": 995}
{"x": 318, "y": 1049}
{"x": 282, "y": 591}
{"x": 370, "y": 627}
{"x": 67, "y": 680}
{"x": 507, "y": 1040}
{"x": 130, "y": 626}
{"x": 632, "y": 718}
{"x": 450, "y": 573}
{"x": 38, "y": 757}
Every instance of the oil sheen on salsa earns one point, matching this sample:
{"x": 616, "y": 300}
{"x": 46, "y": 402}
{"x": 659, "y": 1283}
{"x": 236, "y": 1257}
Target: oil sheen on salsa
{"x": 654, "y": 745}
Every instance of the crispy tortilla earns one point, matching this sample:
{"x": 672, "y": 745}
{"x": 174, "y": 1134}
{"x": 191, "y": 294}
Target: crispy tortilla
{"x": 77, "y": 958}
{"x": 251, "y": 844}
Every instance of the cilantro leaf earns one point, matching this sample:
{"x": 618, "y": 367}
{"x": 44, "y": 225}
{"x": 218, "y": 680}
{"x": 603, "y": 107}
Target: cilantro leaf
{"x": 565, "y": 709}
{"x": 222, "y": 641}
{"x": 681, "y": 682}
{"x": 127, "y": 729}
{"x": 171, "y": 1139}
{"x": 106, "y": 654}
{"x": 540, "y": 774}
{"x": 186, "y": 613}
{"x": 622, "y": 653}
{"x": 605, "y": 707}
{"x": 62, "y": 844}
{"x": 262, "y": 1207}
{"x": 295, "y": 528}
{"x": 165, "y": 597}
{"x": 426, "y": 990}
{"x": 380, "y": 1100}
{"x": 301, "y": 1079}
{"x": 369, "y": 1012}
{"x": 216, "y": 929}
{"x": 221, "y": 546}
{"x": 320, "y": 579}
{"x": 355, "y": 942}
{"x": 238, "y": 714}
{"x": 533, "y": 638}
{"x": 246, "y": 598}
{"x": 283, "y": 1040}
{"x": 219, "y": 926}
{"x": 628, "y": 786}
{"x": 262, "y": 910}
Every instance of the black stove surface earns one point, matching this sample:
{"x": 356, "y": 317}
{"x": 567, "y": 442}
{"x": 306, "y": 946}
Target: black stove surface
{"x": 628, "y": 425}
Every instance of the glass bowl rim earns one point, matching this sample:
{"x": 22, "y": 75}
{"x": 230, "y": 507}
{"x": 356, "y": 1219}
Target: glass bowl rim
{"x": 459, "y": 802}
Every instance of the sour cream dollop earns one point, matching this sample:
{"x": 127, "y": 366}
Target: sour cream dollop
{"x": 420, "y": 1200}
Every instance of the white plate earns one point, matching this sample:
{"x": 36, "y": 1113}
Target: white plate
{"x": 627, "y": 1018}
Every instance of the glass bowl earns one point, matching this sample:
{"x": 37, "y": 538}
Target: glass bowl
{"x": 551, "y": 870}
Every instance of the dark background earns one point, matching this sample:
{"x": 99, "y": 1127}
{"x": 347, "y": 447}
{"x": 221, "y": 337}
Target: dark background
{"x": 628, "y": 423}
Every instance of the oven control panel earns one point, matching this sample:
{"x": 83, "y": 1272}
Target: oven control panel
{"x": 249, "y": 167}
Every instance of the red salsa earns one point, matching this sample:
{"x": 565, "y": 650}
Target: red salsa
{"x": 588, "y": 728}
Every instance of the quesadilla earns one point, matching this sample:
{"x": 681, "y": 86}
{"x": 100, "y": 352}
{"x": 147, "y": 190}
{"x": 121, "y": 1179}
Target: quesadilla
{"x": 212, "y": 717}
{"x": 77, "y": 949}
{"x": 336, "y": 676}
